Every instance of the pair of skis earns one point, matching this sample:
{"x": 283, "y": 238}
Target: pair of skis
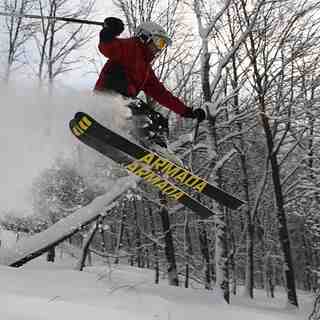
{"x": 154, "y": 169}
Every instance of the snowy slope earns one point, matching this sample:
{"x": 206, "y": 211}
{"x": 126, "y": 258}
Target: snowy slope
{"x": 55, "y": 291}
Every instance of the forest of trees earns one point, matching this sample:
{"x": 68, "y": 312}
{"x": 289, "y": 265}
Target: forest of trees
{"x": 254, "y": 64}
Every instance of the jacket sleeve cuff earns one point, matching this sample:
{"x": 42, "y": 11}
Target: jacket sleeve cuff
{"x": 188, "y": 113}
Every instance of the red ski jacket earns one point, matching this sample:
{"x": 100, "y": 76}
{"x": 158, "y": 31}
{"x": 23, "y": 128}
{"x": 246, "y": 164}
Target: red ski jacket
{"x": 134, "y": 59}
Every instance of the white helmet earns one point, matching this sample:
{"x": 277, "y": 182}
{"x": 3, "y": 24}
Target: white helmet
{"x": 148, "y": 31}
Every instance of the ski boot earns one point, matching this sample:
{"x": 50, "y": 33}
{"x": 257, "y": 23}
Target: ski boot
{"x": 151, "y": 129}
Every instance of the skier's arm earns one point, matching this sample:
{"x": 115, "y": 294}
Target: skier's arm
{"x": 155, "y": 89}
{"x": 109, "y": 46}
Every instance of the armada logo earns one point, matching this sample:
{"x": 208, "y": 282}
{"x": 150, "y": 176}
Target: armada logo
{"x": 155, "y": 163}
{"x": 140, "y": 170}
{"x": 169, "y": 169}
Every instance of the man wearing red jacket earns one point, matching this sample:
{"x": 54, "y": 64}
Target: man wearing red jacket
{"x": 128, "y": 70}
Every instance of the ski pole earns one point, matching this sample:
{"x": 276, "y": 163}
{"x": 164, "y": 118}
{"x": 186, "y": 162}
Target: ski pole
{"x": 34, "y": 16}
{"x": 194, "y": 141}
{"x": 195, "y": 132}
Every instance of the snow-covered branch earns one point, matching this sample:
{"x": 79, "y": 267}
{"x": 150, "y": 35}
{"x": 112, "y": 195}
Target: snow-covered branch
{"x": 219, "y": 164}
{"x": 225, "y": 60}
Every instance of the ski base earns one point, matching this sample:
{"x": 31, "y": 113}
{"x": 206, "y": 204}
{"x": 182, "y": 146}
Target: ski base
{"x": 173, "y": 171}
{"x": 167, "y": 188}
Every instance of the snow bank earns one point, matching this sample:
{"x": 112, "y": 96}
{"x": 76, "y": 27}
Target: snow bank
{"x": 51, "y": 291}
{"x": 53, "y": 310}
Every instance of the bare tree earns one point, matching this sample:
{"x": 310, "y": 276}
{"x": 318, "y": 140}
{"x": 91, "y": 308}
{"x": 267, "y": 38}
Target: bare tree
{"x": 278, "y": 47}
{"x": 18, "y": 32}
{"x": 85, "y": 250}
{"x": 212, "y": 90}
{"x": 58, "y": 41}
{"x": 241, "y": 131}
{"x": 169, "y": 246}
{"x": 188, "y": 251}
{"x": 315, "y": 314}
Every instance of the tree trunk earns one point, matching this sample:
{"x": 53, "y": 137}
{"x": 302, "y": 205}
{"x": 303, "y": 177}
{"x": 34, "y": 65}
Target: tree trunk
{"x": 204, "y": 247}
{"x": 138, "y": 242}
{"x": 188, "y": 249}
{"x": 249, "y": 278}
{"x": 222, "y": 266}
{"x": 249, "y": 282}
{"x": 85, "y": 249}
{"x": 221, "y": 246}
{"x": 154, "y": 246}
{"x": 120, "y": 232}
{"x": 307, "y": 285}
{"x": 103, "y": 238}
{"x": 281, "y": 215}
{"x": 169, "y": 247}
{"x": 315, "y": 314}
{"x": 261, "y": 86}
{"x": 51, "y": 254}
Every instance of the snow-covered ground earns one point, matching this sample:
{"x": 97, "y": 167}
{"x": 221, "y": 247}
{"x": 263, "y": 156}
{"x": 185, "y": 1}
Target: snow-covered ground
{"x": 55, "y": 291}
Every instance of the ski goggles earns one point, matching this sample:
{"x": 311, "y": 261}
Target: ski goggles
{"x": 159, "y": 42}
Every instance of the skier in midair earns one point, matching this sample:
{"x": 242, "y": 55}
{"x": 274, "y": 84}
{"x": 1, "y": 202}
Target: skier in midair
{"x": 128, "y": 71}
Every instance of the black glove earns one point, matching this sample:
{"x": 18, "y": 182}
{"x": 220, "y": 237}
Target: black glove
{"x": 112, "y": 27}
{"x": 198, "y": 114}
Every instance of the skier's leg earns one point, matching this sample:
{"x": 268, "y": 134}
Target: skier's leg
{"x": 148, "y": 126}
